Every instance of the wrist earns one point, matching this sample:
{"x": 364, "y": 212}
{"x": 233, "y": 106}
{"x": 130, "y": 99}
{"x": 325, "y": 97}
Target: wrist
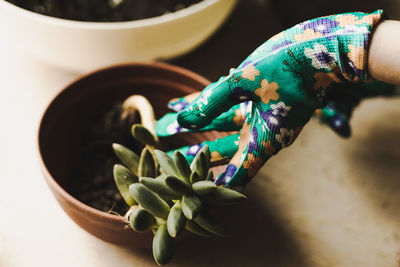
{"x": 384, "y": 52}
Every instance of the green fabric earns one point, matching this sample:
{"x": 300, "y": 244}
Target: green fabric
{"x": 286, "y": 80}
{"x": 221, "y": 149}
{"x": 336, "y": 114}
{"x": 232, "y": 120}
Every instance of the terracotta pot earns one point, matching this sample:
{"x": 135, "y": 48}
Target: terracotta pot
{"x": 64, "y": 121}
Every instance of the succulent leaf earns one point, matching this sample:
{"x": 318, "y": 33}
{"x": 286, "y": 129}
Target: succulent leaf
{"x": 163, "y": 245}
{"x": 224, "y": 196}
{"x": 176, "y": 220}
{"x": 209, "y": 223}
{"x": 178, "y": 185}
{"x": 129, "y": 158}
{"x": 191, "y": 205}
{"x": 197, "y": 229}
{"x": 166, "y": 163}
{"x": 123, "y": 179}
{"x": 194, "y": 177}
{"x": 147, "y": 165}
{"x": 143, "y": 135}
{"x": 207, "y": 152}
{"x": 149, "y": 200}
{"x": 210, "y": 176}
{"x": 160, "y": 187}
{"x": 200, "y": 165}
{"x": 204, "y": 187}
{"x": 141, "y": 220}
{"x": 182, "y": 166}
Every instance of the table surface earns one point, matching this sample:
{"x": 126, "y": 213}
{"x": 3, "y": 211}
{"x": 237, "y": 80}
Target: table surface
{"x": 324, "y": 201}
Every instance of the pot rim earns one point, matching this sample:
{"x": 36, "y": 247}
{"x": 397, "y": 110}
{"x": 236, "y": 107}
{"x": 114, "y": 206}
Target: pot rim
{"x": 185, "y": 12}
{"x": 49, "y": 177}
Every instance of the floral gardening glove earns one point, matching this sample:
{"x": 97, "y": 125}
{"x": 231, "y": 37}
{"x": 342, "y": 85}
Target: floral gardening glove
{"x": 342, "y": 100}
{"x": 286, "y": 80}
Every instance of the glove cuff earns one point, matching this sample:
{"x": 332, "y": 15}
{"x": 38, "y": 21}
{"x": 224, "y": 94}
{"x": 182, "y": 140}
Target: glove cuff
{"x": 355, "y": 32}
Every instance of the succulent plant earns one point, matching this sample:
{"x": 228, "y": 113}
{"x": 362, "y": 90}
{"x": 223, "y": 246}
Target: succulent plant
{"x": 167, "y": 195}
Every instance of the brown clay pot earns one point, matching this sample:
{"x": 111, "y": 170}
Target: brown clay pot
{"x": 66, "y": 116}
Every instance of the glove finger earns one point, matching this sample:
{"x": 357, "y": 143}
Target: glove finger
{"x": 178, "y": 104}
{"x": 245, "y": 162}
{"x": 222, "y": 149}
{"x": 342, "y": 100}
{"x": 265, "y": 131}
{"x": 215, "y": 99}
{"x": 232, "y": 120}
{"x": 345, "y": 98}
{"x": 168, "y": 125}
{"x": 336, "y": 120}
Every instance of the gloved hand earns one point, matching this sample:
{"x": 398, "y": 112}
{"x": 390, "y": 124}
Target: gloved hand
{"x": 336, "y": 114}
{"x": 286, "y": 80}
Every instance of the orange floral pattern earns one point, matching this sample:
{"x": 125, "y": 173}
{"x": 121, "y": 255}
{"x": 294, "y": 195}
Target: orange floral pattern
{"x": 269, "y": 149}
{"x": 267, "y": 91}
{"x": 323, "y": 80}
{"x": 252, "y": 164}
{"x": 238, "y": 118}
{"x": 348, "y": 19}
{"x": 308, "y": 34}
{"x": 278, "y": 36}
{"x": 357, "y": 55}
{"x": 250, "y": 72}
{"x": 216, "y": 156}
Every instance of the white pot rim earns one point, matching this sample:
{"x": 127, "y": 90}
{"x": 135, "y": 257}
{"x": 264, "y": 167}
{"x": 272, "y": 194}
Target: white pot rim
{"x": 109, "y": 25}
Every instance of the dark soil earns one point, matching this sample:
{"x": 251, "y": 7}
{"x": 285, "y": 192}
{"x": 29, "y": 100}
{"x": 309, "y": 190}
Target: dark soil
{"x": 91, "y": 179}
{"x": 103, "y": 10}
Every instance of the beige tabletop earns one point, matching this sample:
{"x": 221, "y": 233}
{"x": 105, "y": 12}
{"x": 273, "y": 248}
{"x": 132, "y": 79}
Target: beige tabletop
{"x": 324, "y": 201}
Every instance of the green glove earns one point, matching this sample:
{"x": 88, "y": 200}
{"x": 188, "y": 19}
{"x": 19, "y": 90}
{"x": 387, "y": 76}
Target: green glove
{"x": 342, "y": 100}
{"x": 286, "y": 79}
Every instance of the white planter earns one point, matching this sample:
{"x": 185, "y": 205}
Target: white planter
{"x": 83, "y": 46}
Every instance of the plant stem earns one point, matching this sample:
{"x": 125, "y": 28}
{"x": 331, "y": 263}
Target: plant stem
{"x": 142, "y": 105}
